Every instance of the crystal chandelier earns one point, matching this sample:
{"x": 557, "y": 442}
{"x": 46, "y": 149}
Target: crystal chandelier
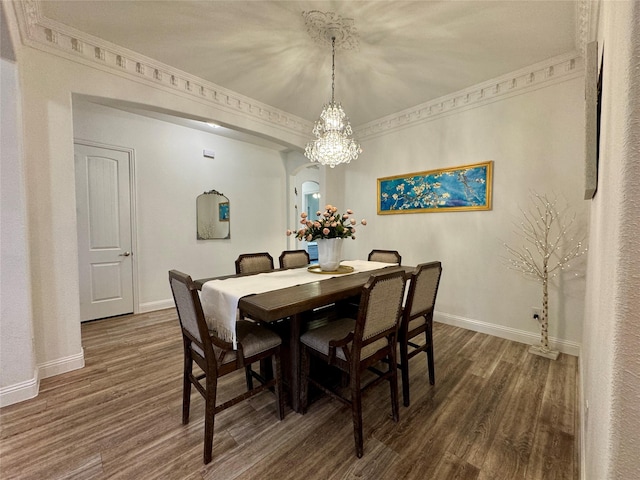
{"x": 333, "y": 144}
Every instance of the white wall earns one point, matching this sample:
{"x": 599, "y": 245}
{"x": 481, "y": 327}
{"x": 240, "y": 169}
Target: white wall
{"x": 611, "y": 353}
{"x": 19, "y": 381}
{"x": 536, "y": 142}
{"x": 170, "y": 173}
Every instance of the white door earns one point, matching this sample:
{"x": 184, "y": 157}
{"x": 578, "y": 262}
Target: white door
{"x": 103, "y": 200}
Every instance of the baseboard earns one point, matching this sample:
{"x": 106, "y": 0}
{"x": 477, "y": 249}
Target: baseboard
{"x": 61, "y": 365}
{"x": 20, "y": 391}
{"x": 153, "y": 306}
{"x": 522, "y": 336}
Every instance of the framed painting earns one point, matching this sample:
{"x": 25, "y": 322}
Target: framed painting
{"x": 223, "y": 211}
{"x": 455, "y": 189}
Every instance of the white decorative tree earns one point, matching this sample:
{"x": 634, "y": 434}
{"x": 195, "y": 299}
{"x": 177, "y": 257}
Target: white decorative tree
{"x": 548, "y": 248}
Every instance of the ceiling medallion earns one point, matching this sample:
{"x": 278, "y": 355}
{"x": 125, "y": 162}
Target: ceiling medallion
{"x": 322, "y": 27}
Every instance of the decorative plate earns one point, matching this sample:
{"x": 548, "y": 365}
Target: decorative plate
{"x": 341, "y": 269}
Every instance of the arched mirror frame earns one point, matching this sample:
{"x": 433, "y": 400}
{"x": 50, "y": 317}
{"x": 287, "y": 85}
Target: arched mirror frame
{"x": 213, "y": 216}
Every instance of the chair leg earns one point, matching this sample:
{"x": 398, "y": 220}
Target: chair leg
{"x": 305, "y": 360}
{"x": 356, "y": 412}
{"x": 404, "y": 368}
{"x": 186, "y": 388}
{"x": 209, "y": 417}
{"x": 432, "y": 373}
{"x": 277, "y": 368}
{"x": 249, "y": 377}
{"x": 393, "y": 385}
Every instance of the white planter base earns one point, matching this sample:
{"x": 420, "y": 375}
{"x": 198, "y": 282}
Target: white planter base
{"x": 552, "y": 354}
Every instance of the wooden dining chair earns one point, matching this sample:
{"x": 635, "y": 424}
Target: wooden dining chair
{"x": 217, "y": 358}
{"x": 294, "y": 259}
{"x": 386, "y": 256}
{"x": 417, "y": 317}
{"x": 254, "y": 263}
{"x": 354, "y": 346}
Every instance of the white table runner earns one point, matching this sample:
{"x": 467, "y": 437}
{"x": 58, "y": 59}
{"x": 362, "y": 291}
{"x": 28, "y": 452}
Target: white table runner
{"x": 220, "y": 297}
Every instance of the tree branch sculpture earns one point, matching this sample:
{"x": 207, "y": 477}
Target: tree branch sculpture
{"x": 547, "y": 250}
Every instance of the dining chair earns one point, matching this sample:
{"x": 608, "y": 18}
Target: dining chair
{"x": 217, "y": 358}
{"x": 354, "y": 346}
{"x": 294, "y": 258}
{"x": 417, "y": 317}
{"x": 386, "y": 256}
{"x": 254, "y": 263}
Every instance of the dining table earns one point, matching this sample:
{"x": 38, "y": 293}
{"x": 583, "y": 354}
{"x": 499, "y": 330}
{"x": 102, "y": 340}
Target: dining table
{"x": 266, "y": 298}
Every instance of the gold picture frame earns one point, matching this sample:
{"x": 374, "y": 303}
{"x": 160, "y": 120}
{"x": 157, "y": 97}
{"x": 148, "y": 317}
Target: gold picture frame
{"x": 455, "y": 189}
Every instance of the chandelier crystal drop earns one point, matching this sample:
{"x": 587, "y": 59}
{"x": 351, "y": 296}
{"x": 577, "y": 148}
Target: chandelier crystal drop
{"x": 333, "y": 144}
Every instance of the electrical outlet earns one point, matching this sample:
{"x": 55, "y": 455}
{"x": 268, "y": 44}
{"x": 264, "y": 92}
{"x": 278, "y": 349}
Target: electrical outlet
{"x": 536, "y": 313}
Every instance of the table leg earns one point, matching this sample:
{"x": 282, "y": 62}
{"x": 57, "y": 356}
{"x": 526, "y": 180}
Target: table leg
{"x": 294, "y": 350}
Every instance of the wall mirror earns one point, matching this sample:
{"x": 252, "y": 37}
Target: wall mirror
{"x": 213, "y": 216}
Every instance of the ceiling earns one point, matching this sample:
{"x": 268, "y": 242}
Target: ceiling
{"x": 409, "y": 52}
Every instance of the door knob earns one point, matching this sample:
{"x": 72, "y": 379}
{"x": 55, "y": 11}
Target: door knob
{"x": 125, "y": 254}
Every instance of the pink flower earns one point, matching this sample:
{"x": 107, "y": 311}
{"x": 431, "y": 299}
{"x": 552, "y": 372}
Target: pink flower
{"x": 328, "y": 223}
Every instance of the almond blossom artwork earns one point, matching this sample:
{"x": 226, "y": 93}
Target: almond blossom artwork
{"x": 452, "y": 189}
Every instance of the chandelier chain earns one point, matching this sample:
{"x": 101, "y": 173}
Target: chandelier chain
{"x": 333, "y": 68}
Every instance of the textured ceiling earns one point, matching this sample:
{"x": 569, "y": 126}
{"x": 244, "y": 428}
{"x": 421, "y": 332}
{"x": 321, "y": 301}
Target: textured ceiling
{"x": 409, "y": 52}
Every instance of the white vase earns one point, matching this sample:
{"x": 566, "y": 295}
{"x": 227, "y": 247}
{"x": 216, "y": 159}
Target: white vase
{"x": 329, "y": 253}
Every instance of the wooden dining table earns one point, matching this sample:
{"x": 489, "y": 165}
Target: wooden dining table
{"x": 297, "y": 304}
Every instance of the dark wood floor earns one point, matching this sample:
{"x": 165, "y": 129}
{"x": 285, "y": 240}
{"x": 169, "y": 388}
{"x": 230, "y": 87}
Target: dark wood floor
{"x": 496, "y": 412}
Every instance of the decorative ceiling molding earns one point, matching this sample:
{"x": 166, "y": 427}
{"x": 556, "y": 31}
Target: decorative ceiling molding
{"x": 323, "y": 26}
{"x": 52, "y": 37}
{"x": 555, "y": 70}
{"x": 44, "y": 34}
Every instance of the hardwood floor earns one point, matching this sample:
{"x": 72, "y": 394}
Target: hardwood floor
{"x": 495, "y": 412}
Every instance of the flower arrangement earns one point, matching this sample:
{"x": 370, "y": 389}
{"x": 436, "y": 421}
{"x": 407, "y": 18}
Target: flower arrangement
{"x": 329, "y": 224}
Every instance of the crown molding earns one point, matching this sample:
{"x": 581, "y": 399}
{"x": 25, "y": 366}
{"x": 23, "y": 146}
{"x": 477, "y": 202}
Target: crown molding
{"x": 554, "y": 70}
{"x": 44, "y": 34}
